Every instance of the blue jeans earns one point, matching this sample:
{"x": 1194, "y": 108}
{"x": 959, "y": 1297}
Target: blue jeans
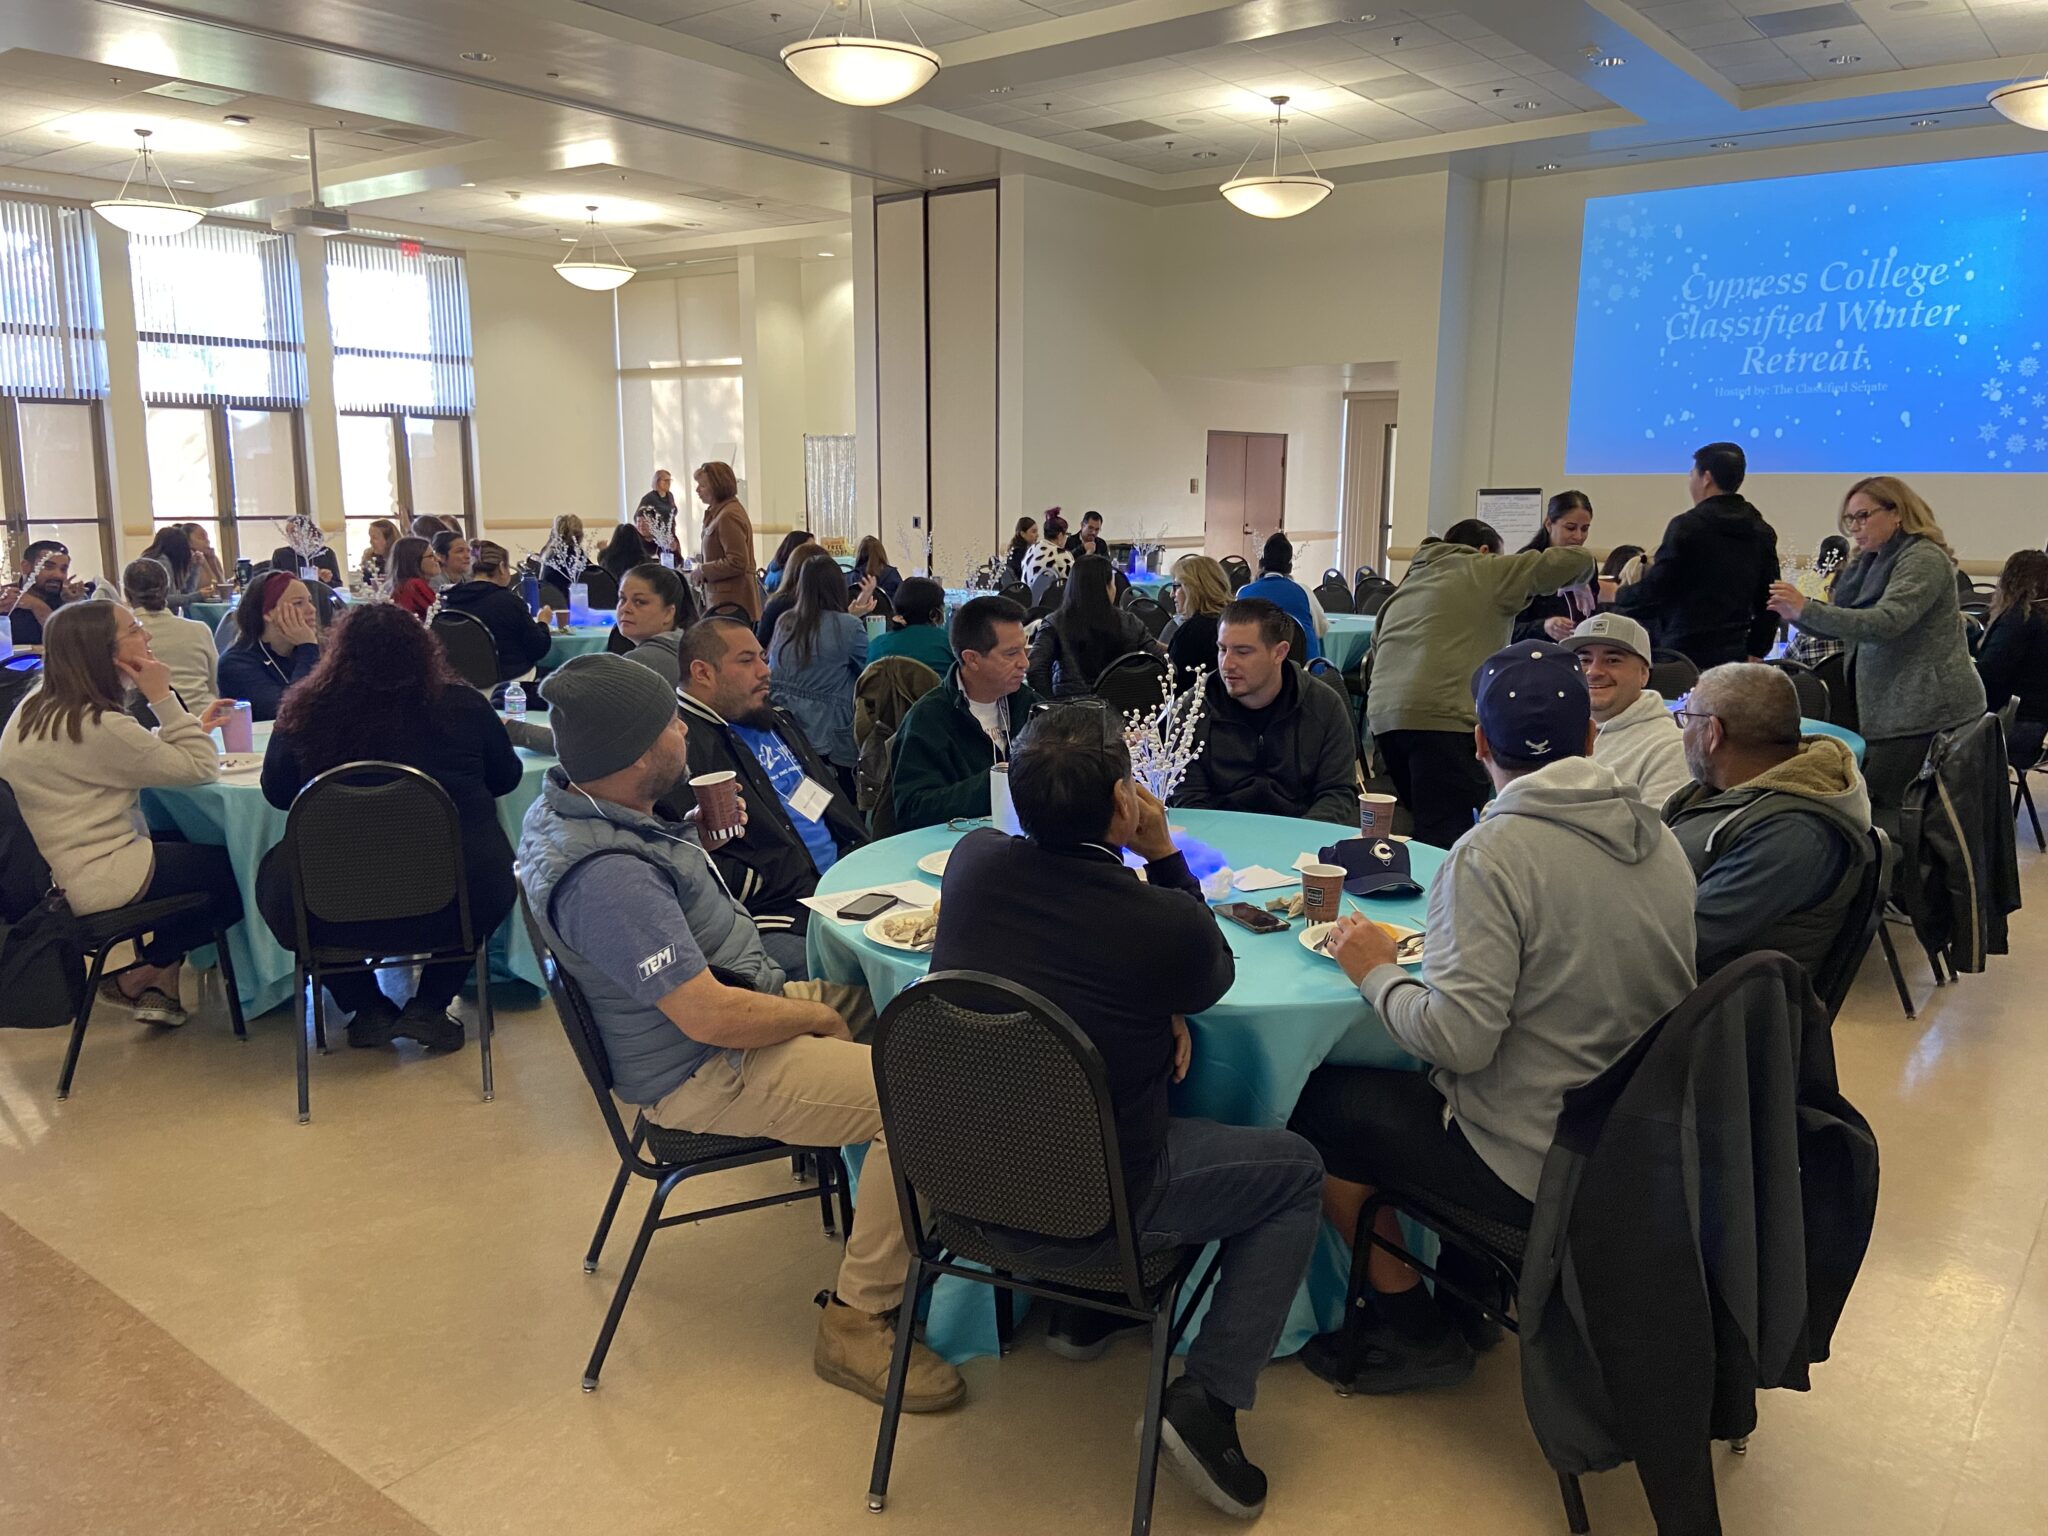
{"x": 1258, "y": 1192}
{"x": 787, "y": 950}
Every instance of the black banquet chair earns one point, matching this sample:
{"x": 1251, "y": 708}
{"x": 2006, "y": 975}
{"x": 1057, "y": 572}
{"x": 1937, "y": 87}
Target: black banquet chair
{"x": 1236, "y": 569}
{"x": 1672, "y": 673}
{"x": 1151, "y": 614}
{"x": 664, "y": 1157}
{"x": 602, "y": 587}
{"x": 1333, "y": 594}
{"x": 346, "y": 832}
{"x": 469, "y": 648}
{"x": 1132, "y": 684}
{"x": 1814, "y": 702}
{"x": 998, "y": 1115}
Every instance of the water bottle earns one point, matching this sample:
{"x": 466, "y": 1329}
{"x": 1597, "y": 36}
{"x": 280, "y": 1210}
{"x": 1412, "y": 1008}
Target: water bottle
{"x": 515, "y": 703}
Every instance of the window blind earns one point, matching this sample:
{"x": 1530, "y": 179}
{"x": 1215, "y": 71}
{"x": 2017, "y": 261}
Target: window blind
{"x": 52, "y": 342}
{"x": 217, "y": 312}
{"x": 401, "y": 329}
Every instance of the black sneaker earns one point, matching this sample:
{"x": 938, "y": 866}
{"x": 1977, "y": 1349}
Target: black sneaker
{"x": 1202, "y": 1448}
{"x": 1390, "y": 1361}
{"x": 434, "y": 1028}
{"x": 1481, "y": 1332}
{"x": 373, "y": 1026}
{"x": 1082, "y": 1333}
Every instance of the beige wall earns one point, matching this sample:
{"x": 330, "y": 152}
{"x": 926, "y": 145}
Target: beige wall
{"x": 828, "y": 346}
{"x": 772, "y": 322}
{"x": 1522, "y": 294}
{"x": 547, "y": 415}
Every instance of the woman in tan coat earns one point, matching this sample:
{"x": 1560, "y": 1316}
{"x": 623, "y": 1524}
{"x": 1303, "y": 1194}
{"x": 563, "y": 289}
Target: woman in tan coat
{"x": 727, "y": 568}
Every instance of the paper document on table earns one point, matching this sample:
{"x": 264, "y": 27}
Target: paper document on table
{"x": 1260, "y": 878}
{"x": 1304, "y": 860}
{"x": 908, "y": 893}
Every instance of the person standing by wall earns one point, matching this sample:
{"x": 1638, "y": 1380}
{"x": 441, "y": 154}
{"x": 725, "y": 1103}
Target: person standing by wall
{"x": 726, "y": 567}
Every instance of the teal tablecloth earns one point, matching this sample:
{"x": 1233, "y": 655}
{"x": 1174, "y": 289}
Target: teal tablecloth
{"x": 1350, "y": 634}
{"x": 577, "y": 640}
{"x": 233, "y": 814}
{"x": 209, "y": 614}
{"x": 1288, "y": 1012}
{"x": 1153, "y": 587}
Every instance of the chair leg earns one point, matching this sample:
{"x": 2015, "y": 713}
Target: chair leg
{"x": 1891, "y": 958}
{"x": 822, "y": 1171}
{"x": 604, "y": 1222}
{"x": 78, "y": 1023}
{"x": 1357, "y": 1294}
{"x": 626, "y": 1279}
{"x": 2026, "y": 798}
{"x": 1006, "y": 1316}
{"x": 1574, "y": 1503}
{"x": 1148, "y": 1431}
{"x": 892, "y": 1399}
{"x": 319, "y": 1014}
{"x": 484, "y": 1018}
{"x": 842, "y": 1184}
{"x": 300, "y": 1002}
{"x": 227, "y": 982}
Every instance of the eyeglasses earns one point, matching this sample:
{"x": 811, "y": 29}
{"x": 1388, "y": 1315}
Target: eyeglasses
{"x": 1691, "y": 714}
{"x": 1858, "y": 519}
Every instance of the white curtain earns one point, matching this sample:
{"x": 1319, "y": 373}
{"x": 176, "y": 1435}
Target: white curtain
{"x": 401, "y": 329}
{"x": 217, "y": 311}
{"x": 52, "y": 344}
{"x": 828, "y": 487}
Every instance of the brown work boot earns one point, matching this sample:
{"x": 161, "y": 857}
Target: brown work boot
{"x": 854, "y": 1349}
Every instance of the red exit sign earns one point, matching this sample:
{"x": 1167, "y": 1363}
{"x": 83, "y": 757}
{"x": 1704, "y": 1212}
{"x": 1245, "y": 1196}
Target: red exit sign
{"x": 409, "y": 248}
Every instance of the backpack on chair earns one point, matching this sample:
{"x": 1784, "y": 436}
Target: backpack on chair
{"x": 42, "y": 961}
{"x": 882, "y": 696}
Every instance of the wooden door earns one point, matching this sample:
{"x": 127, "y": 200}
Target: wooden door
{"x": 1247, "y": 493}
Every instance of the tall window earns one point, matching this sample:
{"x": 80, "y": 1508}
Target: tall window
{"x": 681, "y": 403}
{"x": 53, "y": 378}
{"x": 223, "y": 358}
{"x": 404, "y": 383}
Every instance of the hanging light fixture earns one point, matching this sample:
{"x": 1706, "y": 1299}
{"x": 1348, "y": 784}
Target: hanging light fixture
{"x": 2024, "y": 101}
{"x": 858, "y": 71}
{"x": 1272, "y": 195}
{"x": 590, "y": 272}
{"x": 147, "y": 215}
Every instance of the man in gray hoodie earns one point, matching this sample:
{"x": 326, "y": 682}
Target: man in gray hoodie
{"x": 1777, "y": 827}
{"x": 1517, "y": 1002}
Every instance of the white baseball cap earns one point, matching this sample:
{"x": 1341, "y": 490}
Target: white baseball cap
{"x": 1616, "y": 629}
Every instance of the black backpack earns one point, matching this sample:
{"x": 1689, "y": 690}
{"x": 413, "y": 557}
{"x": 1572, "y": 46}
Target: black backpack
{"x": 42, "y": 952}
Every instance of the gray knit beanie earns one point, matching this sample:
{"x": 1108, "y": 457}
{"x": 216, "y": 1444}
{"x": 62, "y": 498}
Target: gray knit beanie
{"x": 606, "y": 713}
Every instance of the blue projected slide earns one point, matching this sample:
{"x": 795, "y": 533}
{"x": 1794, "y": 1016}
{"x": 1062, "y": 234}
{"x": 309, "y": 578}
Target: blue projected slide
{"x": 1855, "y": 323}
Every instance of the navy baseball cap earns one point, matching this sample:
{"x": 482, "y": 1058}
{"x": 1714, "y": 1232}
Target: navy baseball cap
{"x": 1533, "y": 703}
{"x": 1373, "y": 866}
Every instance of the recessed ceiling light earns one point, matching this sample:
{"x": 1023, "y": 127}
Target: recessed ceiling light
{"x": 469, "y": 183}
{"x": 183, "y": 181}
{"x": 1925, "y": 122}
{"x": 568, "y": 239}
{"x": 298, "y": 157}
{"x": 237, "y": 120}
{"x": 1548, "y": 165}
{"x": 1909, "y": 5}
{"x": 1207, "y": 154}
{"x": 824, "y": 253}
{"x": 1000, "y": 90}
{"x": 935, "y": 170}
{"x": 1366, "y": 16}
{"x": 1527, "y": 106}
{"x": 480, "y": 57}
{"x": 1845, "y": 58}
{"x": 1723, "y": 144}
{"x": 1612, "y": 61}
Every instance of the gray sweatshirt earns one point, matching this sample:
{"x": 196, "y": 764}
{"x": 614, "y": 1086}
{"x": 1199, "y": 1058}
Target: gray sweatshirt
{"x": 1646, "y": 749}
{"x": 1560, "y": 928}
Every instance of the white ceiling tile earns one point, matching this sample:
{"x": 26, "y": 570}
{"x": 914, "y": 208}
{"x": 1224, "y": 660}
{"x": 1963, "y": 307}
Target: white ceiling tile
{"x": 1459, "y": 75}
{"x": 1688, "y": 13}
{"x": 1439, "y": 56}
{"x": 1363, "y": 67}
{"x": 1494, "y": 47}
{"x": 1712, "y": 34}
{"x": 1759, "y": 51}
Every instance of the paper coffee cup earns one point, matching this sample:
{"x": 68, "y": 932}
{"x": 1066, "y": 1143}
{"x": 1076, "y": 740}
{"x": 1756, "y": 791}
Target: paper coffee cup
{"x": 562, "y": 621}
{"x": 238, "y": 730}
{"x": 1322, "y": 892}
{"x": 1375, "y": 815}
{"x": 718, "y": 806}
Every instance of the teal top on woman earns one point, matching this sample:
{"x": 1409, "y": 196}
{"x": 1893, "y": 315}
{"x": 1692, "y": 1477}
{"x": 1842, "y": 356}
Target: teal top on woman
{"x": 920, "y": 642}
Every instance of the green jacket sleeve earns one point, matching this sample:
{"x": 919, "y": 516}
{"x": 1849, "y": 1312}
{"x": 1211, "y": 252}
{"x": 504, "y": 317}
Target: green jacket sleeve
{"x": 1920, "y": 579}
{"x": 1535, "y": 572}
{"x": 927, "y": 787}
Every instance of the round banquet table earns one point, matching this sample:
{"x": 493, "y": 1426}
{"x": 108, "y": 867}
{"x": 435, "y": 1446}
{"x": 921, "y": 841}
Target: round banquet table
{"x": 1288, "y": 1012}
{"x": 576, "y": 640}
{"x": 1153, "y": 587}
{"x": 232, "y": 813}
{"x": 1350, "y": 634}
{"x": 209, "y": 614}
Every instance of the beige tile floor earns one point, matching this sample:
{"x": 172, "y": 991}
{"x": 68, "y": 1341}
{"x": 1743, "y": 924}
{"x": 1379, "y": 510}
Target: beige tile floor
{"x": 213, "y": 1319}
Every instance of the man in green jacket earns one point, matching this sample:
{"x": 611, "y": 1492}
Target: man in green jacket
{"x": 953, "y": 735}
{"x": 1454, "y": 608}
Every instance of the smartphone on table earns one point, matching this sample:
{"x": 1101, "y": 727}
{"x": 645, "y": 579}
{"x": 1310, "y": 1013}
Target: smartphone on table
{"x": 861, "y": 908}
{"x": 1257, "y": 919}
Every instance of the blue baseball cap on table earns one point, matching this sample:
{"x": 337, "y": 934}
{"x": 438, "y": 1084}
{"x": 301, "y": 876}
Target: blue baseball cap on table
{"x": 1373, "y": 866}
{"x": 1532, "y": 702}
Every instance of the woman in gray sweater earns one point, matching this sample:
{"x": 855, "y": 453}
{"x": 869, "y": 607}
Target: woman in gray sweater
{"x": 1894, "y": 608}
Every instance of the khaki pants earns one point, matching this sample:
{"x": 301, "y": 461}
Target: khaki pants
{"x": 811, "y": 1091}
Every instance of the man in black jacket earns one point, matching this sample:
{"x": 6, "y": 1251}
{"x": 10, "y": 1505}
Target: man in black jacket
{"x": 1275, "y": 740}
{"x": 798, "y": 821}
{"x": 1705, "y": 592}
{"x": 1254, "y": 1189}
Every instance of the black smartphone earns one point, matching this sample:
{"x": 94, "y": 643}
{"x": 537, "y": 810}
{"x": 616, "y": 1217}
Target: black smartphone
{"x": 1258, "y": 919}
{"x": 874, "y": 904}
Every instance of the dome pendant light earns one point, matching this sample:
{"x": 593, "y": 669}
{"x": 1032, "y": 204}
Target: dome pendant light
{"x": 857, "y": 71}
{"x": 589, "y": 272}
{"x": 147, "y": 215}
{"x": 1271, "y": 195}
{"x": 2024, "y": 101}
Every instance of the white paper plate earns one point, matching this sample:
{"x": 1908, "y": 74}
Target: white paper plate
{"x": 873, "y": 929}
{"x": 934, "y": 864}
{"x": 241, "y": 762}
{"x": 1312, "y": 938}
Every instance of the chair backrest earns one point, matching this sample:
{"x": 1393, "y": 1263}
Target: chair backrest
{"x": 1297, "y": 642}
{"x": 1237, "y": 569}
{"x": 602, "y": 586}
{"x": 552, "y": 596}
{"x": 884, "y": 608}
{"x": 1333, "y": 574}
{"x": 374, "y": 842}
{"x": 1859, "y": 926}
{"x": 1364, "y": 574}
{"x": 1371, "y": 595}
{"x": 1672, "y": 673}
{"x": 1148, "y": 612}
{"x": 572, "y": 1007}
{"x": 998, "y": 1113}
{"x": 1833, "y": 672}
{"x": 1334, "y": 595}
{"x": 1131, "y": 683}
{"x": 1326, "y": 672}
{"x": 469, "y": 648}
{"x": 1813, "y": 693}
{"x": 1017, "y": 593}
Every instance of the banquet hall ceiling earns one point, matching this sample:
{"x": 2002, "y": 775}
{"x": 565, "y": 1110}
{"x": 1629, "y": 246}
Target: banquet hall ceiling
{"x": 503, "y": 118}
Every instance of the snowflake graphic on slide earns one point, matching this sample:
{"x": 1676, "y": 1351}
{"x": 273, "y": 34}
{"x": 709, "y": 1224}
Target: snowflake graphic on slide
{"x": 2041, "y": 445}
{"x": 1987, "y": 432}
{"x": 2017, "y": 443}
{"x": 2029, "y": 366}
{"x": 2004, "y": 412}
{"x": 2004, "y": 365}
{"x": 1993, "y": 390}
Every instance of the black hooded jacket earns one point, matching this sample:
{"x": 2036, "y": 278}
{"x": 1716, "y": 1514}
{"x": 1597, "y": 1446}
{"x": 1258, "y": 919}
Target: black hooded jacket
{"x": 1704, "y": 593}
